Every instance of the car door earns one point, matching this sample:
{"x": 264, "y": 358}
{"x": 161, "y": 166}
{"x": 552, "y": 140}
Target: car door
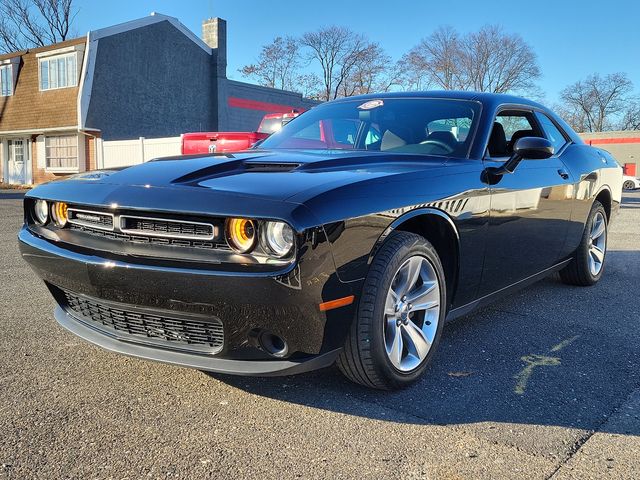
{"x": 530, "y": 208}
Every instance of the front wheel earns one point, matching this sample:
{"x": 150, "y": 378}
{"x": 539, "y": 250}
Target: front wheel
{"x": 587, "y": 264}
{"x": 400, "y": 315}
{"x": 628, "y": 185}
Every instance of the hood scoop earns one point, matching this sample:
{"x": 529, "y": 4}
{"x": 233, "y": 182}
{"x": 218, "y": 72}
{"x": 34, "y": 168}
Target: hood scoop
{"x": 235, "y": 167}
{"x": 272, "y": 167}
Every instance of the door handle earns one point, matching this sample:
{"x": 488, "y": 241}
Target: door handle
{"x": 563, "y": 173}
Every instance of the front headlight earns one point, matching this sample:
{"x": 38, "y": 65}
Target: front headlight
{"x": 278, "y": 238}
{"x": 241, "y": 234}
{"x": 59, "y": 213}
{"x": 41, "y": 212}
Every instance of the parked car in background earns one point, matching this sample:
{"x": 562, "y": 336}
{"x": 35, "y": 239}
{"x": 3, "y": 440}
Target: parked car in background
{"x": 211, "y": 142}
{"x": 630, "y": 183}
{"x": 349, "y": 236}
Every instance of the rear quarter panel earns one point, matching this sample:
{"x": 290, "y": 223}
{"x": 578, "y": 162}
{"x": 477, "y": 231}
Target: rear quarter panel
{"x": 594, "y": 171}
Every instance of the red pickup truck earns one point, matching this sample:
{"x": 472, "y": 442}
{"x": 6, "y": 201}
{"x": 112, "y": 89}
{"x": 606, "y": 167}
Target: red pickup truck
{"x": 209, "y": 142}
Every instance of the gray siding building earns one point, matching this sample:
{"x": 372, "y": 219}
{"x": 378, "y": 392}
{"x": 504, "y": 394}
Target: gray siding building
{"x": 122, "y": 95}
{"x": 153, "y": 78}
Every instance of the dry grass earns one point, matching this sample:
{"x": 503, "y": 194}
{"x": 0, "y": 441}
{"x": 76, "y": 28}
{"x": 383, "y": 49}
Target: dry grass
{"x": 6, "y": 186}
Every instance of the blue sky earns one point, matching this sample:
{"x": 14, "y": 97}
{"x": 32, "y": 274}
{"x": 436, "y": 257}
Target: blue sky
{"x": 572, "y": 38}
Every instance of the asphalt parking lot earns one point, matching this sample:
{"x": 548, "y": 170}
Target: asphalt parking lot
{"x": 544, "y": 384}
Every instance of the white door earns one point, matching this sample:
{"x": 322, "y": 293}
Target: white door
{"x": 17, "y": 162}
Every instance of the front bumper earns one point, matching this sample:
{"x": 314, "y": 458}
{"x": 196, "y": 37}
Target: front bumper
{"x": 212, "y": 364}
{"x": 284, "y": 303}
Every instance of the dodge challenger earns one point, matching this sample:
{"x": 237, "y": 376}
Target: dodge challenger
{"x": 350, "y": 236}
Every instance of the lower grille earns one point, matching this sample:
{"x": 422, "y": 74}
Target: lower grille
{"x": 156, "y": 329}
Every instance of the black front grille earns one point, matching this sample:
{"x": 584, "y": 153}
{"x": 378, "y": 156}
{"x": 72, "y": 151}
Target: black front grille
{"x": 103, "y": 221}
{"x": 173, "y": 242}
{"x": 150, "y": 328}
{"x": 151, "y": 226}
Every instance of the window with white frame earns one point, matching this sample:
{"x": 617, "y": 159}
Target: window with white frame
{"x": 60, "y": 71}
{"x": 6, "y": 80}
{"x": 61, "y": 152}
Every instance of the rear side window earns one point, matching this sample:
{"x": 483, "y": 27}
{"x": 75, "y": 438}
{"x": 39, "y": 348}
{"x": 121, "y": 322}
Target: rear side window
{"x": 553, "y": 134}
{"x": 513, "y": 122}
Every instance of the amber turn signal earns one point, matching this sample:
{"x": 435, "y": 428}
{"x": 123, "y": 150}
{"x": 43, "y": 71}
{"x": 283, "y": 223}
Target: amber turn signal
{"x": 59, "y": 212}
{"x": 241, "y": 234}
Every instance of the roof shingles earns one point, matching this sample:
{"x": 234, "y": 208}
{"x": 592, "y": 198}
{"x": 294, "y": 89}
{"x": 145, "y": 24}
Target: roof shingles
{"x": 29, "y": 108}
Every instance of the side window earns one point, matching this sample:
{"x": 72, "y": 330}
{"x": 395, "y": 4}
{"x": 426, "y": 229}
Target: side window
{"x": 509, "y": 127}
{"x": 513, "y": 122}
{"x": 553, "y": 134}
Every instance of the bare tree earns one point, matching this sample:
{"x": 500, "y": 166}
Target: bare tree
{"x": 338, "y": 51}
{"x": 309, "y": 85}
{"x": 34, "y": 23}
{"x": 434, "y": 61}
{"x": 574, "y": 117}
{"x": 369, "y": 73}
{"x": 592, "y": 104}
{"x": 488, "y": 60}
{"x": 631, "y": 115}
{"x": 495, "y": 61}
{"x": 277, "y": 64}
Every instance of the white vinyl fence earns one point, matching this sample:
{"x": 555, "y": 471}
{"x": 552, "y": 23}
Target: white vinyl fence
{"x": 120, "y": 153}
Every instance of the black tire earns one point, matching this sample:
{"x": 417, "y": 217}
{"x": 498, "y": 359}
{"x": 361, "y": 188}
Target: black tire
{"x": 628, "y": 185}
{"x": 364, "y": 359}
{"x": 578, "y": 272}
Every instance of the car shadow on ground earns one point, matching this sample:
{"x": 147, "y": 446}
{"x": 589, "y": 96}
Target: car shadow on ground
{"x": 551, "y": 354}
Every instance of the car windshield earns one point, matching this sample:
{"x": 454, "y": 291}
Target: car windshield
{"x": 400, "y": 125}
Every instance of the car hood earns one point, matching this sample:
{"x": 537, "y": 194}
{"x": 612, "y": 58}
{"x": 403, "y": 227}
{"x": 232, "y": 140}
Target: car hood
{"x": 276, "y": 175}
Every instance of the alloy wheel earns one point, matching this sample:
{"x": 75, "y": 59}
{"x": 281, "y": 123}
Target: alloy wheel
{"x": 597, "y": 243}
{"x": 412, "y": 313}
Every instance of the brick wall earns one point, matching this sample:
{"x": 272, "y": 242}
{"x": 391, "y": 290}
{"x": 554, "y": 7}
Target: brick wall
{"x": 39, "y": 174}
{"x": 90, "y": 152}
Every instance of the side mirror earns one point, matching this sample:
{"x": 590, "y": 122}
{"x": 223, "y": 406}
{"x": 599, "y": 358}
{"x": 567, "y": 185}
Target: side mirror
{"x": 526, "y": 148}
{"x": 533, "y": 148}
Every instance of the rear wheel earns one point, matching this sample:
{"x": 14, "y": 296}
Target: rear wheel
{"x": 628, "y": 185}
{"x": 400, "y": 315}
{"x": 587, "y": 264}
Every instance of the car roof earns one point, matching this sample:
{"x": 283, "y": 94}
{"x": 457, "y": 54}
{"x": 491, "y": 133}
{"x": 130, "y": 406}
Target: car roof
{"x": 489, "y": 99}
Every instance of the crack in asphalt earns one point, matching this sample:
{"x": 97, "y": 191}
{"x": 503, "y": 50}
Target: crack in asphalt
{"x": 581, "y": 441}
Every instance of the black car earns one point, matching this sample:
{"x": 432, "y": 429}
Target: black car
{"x": 349, "y": 236}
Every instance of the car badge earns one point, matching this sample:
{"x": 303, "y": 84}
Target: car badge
{"x": 212, "y": 148}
